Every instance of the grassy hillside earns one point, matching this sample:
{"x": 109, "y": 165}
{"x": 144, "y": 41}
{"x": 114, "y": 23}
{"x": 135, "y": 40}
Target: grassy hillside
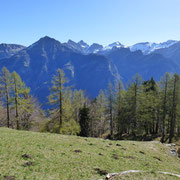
{"x": 30, "y": 155}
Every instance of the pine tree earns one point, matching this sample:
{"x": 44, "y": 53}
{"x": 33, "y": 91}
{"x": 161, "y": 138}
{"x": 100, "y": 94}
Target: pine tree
{"x": 84, "y": 117}
{"x": 149, "y": 107}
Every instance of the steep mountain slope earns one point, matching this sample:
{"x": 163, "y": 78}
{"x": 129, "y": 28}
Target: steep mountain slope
{"x": 88, "y": 67}
{"x": 80, "y": 47}
{"x": 39, "y": 62}
{"x": 94, "y": 48}
{"x": 8, "y": 50}
{"x": 129, "y": 63}
{"x": 172, "y": 52}
{"x": 147, "y": 47}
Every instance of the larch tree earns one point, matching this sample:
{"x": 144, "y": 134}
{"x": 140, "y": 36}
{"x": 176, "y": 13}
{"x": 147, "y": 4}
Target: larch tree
{"x": 119, "y": 92}
{"x": 57, "y": 96}
{"x": 21, "y": 101}
{"x": 174, "y": 104}
{"x": 133, "y": 93}
{"x": 78, "y": 101}
{"x": 164, "y": 88}
{"x": 6, "y": 86}
{"x": 101, "y": 110}
{"x": 110, "y": 107}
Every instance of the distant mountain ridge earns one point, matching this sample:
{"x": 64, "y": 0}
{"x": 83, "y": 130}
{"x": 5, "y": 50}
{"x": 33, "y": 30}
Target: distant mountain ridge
{"x": 89, "y": 68}
{"x": 8, "y": 50}
{"x": 147, "y": 47}
{"x": 38, "y": 63}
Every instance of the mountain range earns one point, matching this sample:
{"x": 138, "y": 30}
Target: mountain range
{"x": 88, "y": 67}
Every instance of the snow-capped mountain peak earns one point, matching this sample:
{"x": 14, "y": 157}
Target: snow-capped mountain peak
{"x": 148, "y": 47}
{"x": 83, "y": 44}
{"x": 145, "y": 47}
{"x": 116, "y": 44}
{"x": 113, "y": 45}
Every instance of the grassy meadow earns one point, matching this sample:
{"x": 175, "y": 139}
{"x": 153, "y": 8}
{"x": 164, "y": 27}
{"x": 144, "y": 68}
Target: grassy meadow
{"x": 41, "y": 156}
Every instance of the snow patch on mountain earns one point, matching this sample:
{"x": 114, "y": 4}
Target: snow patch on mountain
{"x": 148, "y": 47}
{"x": 145, "y": 47}
{"x": 115, "y": 44}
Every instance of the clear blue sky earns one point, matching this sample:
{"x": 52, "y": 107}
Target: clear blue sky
{"x": 101, "y": 21}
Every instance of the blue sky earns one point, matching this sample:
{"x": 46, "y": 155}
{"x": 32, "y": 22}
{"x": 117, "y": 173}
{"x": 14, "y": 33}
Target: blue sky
{"x": 101, "y": 21}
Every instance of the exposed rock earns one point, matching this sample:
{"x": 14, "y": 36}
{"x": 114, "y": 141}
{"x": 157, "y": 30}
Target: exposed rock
{"x": 172, "y": 174}
{"x": 8, "y": 50}
{"x": 173, "y": 152}
{"x": 109, "y": 176}
{"x": 168, "y": 145}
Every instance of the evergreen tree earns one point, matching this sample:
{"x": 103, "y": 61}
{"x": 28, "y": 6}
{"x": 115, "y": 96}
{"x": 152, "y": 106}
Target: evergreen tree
{"x": 84, "y": 117}
{"x": 149, "y": 107}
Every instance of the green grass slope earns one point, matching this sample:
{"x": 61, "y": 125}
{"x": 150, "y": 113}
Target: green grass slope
{"x": 52, "y": 156}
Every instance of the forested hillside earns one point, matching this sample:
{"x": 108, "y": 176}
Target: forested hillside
{"x": 143, "y": 111}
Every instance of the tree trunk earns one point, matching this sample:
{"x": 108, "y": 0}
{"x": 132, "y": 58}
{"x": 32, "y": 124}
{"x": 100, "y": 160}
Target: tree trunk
{"x": 16, "y": 105}
{"x": 173, "y": 113}
{"x": 60, "y": 101}
{"x": 7, "y": 103}
{"x": 164, "y": 112}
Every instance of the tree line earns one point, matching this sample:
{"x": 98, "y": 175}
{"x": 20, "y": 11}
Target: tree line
{"x": 142, "y": 110}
